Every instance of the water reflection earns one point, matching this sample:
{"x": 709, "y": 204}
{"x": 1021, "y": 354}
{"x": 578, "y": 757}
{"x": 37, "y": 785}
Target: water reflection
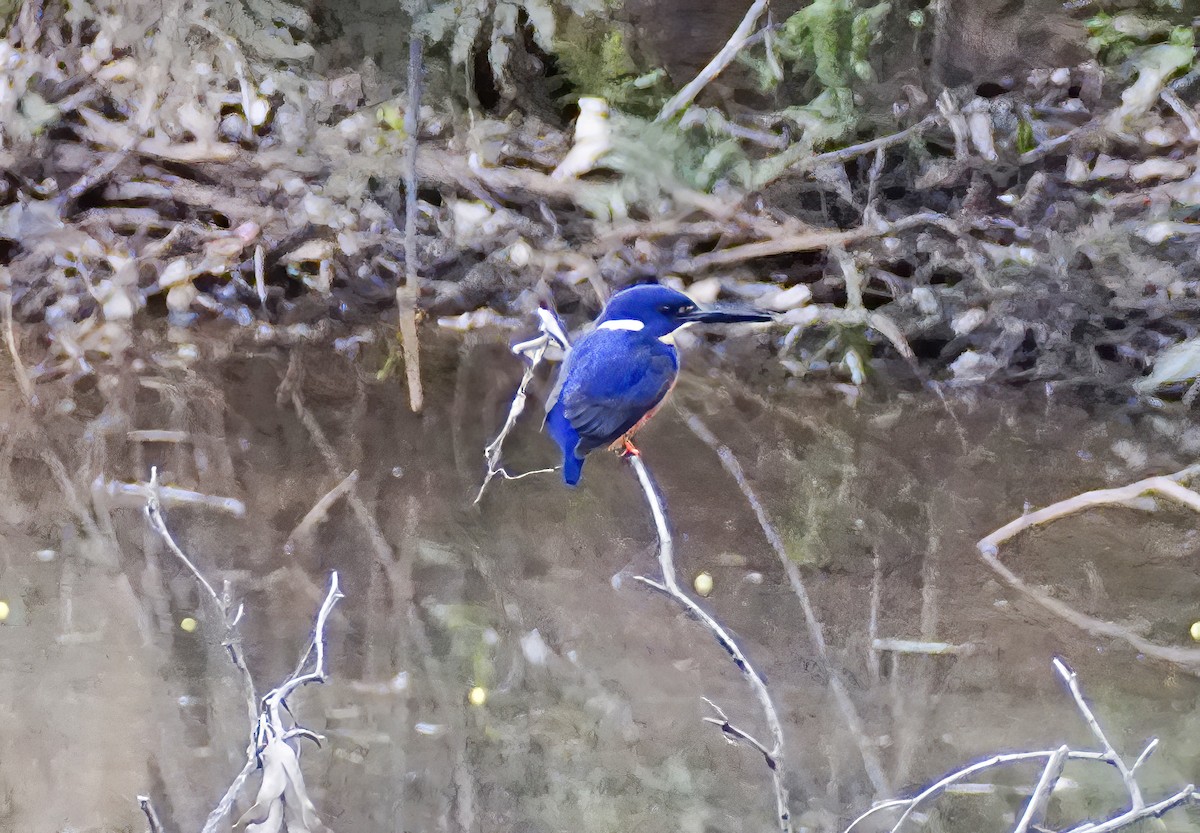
{"x": 593, "y": 715}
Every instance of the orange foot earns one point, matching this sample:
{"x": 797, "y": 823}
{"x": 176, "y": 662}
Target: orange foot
{"x": 629, "y": 449}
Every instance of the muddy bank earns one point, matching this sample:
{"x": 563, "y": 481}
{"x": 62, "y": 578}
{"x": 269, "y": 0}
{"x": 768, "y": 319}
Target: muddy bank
{"x": 1031, "y": 226}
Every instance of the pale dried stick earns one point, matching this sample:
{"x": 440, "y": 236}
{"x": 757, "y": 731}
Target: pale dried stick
{"x": 1185, "y": 795}
{"x": 670, "y": 586}
{"x": 1168, "y": 485}
{"x": 10, "y": 339}
{"x": 151, "y": 814}
{"x": 787, "y": 241}
{"x": 232, "y": 643}
{"x": 1036, "y": 808}
{"x": 1056, "y": 760}
{"x": 535, "y": 350}
{"x": 682, "y": 99}
{"x": 845, "y": 154}
{"x": 940, "y": 786}
{"x": 734, "y": 734}
{"x": 1136, "y": 802}
{"x": 272, "y": 741}
{"x": 866, "y": 747}
{"x": 314, "y": 516}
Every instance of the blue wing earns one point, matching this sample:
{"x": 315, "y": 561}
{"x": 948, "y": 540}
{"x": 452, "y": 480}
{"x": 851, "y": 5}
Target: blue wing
{"x": 613, "y": 378}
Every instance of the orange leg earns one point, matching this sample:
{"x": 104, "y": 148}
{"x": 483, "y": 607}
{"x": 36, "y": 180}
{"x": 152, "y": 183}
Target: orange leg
{"x": 629, "y": 449}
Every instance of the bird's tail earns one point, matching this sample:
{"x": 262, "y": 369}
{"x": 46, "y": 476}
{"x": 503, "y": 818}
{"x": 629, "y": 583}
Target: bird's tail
{"x": 572, "y": 468}
{"x": 560, "y": 428}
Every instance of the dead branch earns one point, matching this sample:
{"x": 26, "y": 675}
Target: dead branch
{"x": 1136, "y": 802}
{"x": 842, "y": 155}
{"x": 10, "y": 339}
{"x": 1036, "y": 808}
{"x": 1055, "y": 761}
{"x": 273, "y": 737}
{"x": 314, "y": 516}
{"x": 120, "y": 493}
{"x": 788, "y": 241}
{"x": 151, "y": 814}
{"x": 722, "y": 59}
{"x": 734, "y": 734}
{"x": 867, "y": 749}
{"x": 670, "y": 586}
{"x": 1131, "y": 496}
{"x": 534, "y": 349}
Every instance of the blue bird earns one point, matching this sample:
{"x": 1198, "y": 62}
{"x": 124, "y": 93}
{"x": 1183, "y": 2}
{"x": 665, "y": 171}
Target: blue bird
{"x": 617, "y": 375}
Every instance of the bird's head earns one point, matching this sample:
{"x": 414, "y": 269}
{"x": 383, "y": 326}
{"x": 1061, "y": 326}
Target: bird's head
{"x": 660, "y": 311}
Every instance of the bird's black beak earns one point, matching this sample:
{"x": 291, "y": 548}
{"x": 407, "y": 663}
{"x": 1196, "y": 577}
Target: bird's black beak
{"x": 726, "y": 315}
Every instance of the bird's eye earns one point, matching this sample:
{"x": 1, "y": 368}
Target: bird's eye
{"x": 666, "y": 309}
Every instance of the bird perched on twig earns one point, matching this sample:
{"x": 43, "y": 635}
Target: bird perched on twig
{"x": 617, "y": 375}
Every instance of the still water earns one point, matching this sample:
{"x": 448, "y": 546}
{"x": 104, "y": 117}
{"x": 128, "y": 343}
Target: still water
{"x": 594, "y": 685}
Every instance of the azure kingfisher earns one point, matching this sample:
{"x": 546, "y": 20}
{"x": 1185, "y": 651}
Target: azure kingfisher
{"x": 617, "y": 376}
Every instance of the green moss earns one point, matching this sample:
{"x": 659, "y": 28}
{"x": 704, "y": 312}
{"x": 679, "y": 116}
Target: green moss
{"x": 596, "y": 61}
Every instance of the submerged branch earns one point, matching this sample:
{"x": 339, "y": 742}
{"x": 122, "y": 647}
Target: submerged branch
{"x": 1056, "y": 759}
{"x": 1132, "y": 496}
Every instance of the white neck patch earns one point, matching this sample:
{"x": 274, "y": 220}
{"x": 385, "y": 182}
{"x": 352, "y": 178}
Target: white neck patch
{"x": 669, "y": 338}
{"x": 623, "y": 324}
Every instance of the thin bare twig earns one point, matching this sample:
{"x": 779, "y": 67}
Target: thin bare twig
{"x": 939, "y": 787}
{"x": 1056, "y": 759}
{"x": 10, "y": 340}
{"x": 1185, "y": 795}
{"x": 734, "y": 734}
{"x": 918, "y": 646}
{"x": 277, "y": 697}
{"x": 1136, "y": 801}
{"x": 151, "y": 814}
{"x": 551, "y": 332}
{"x": 845, "y": 154}
{"x": 722, "y": 59}
{"x": 1036, "y": 808}
{"x": 131, "y": 495}
{"x": 867, "y": 749}
{"x": 873, "y": 616}
{"x": 789, "y": 241}
{"x": 1141, "y": 759}
{"x": 271, "y": 735}
{"x": 155, "y": 516}
{"x": 670, "y": 586}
